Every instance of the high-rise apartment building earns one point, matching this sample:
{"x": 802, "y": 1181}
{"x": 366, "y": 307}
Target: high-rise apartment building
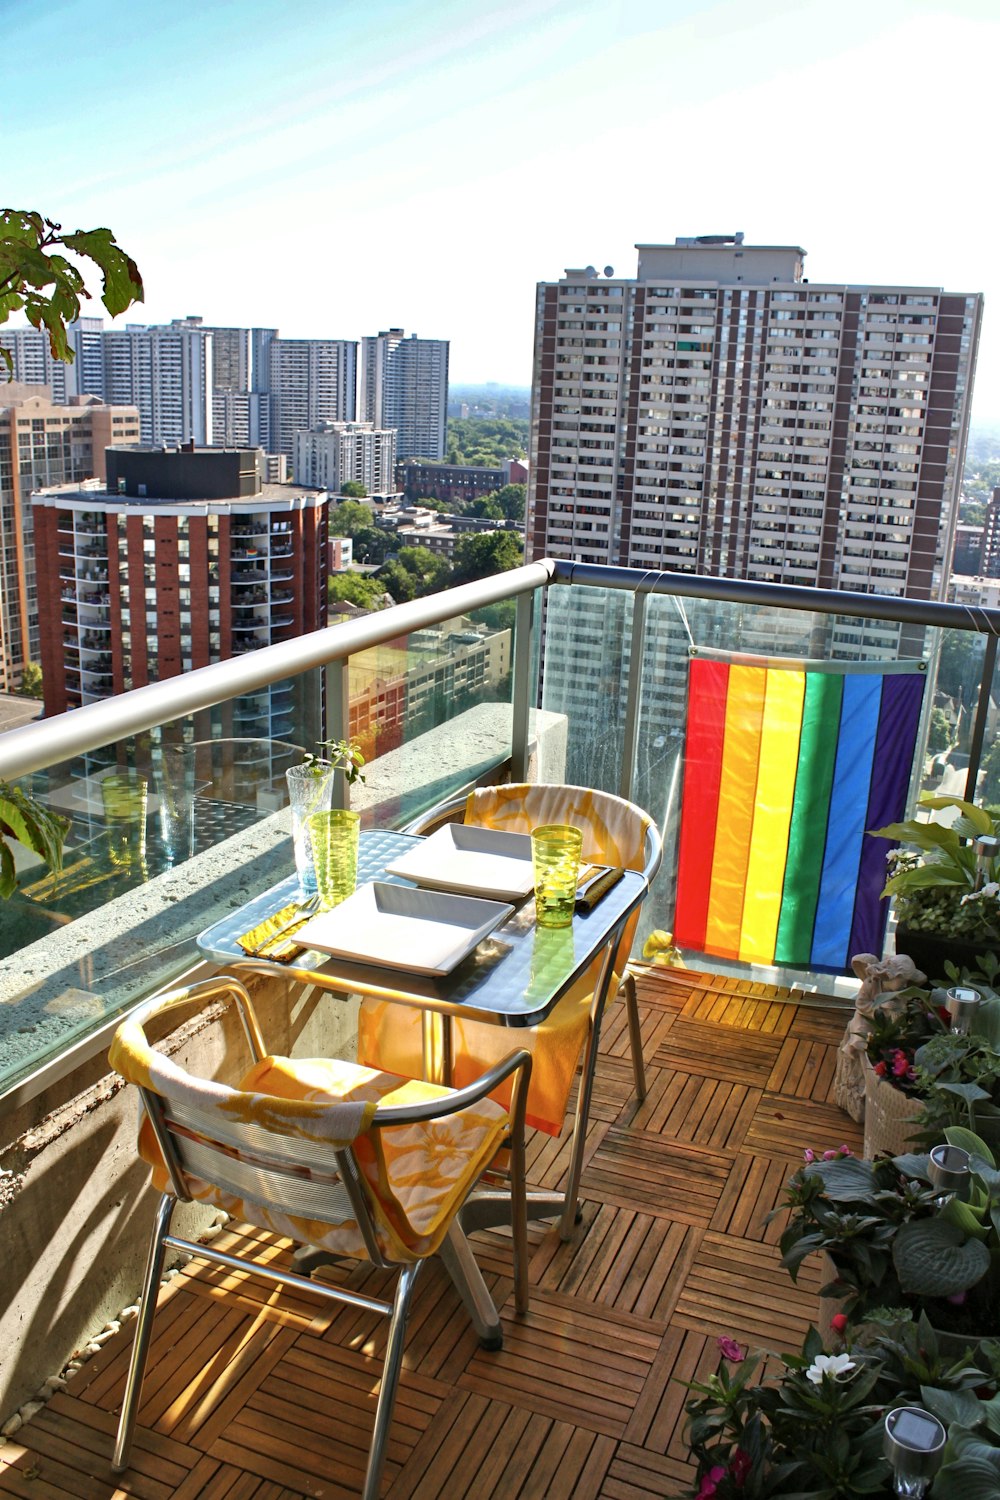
{"x": 185, "y": 558}
{"x": 720, "y": 414}
{"x": 335, "y": 452}
{"x": 42, "y": 444}
{"x": 404, "y": 384}
{"x": 309, "y": 381}
{"x": 167, "y": 373}
{"x": 33, "y": 364}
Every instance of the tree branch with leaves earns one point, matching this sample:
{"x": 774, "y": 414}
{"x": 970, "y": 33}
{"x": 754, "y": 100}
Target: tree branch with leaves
{"x": 38, "y": 280}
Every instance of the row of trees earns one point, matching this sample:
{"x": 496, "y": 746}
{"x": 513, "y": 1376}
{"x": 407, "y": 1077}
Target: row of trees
{"x": 413, "y": 572}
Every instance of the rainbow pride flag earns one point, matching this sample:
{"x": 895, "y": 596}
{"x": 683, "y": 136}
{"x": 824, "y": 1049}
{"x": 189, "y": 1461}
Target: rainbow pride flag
{"x": 786, "y": 767}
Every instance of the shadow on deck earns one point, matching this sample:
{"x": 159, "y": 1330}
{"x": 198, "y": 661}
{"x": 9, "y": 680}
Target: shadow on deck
{"x": 260, "y": 1395}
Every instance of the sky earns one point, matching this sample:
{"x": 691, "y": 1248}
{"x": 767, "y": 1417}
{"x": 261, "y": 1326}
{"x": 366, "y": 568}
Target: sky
{"x": 332, "y": 169}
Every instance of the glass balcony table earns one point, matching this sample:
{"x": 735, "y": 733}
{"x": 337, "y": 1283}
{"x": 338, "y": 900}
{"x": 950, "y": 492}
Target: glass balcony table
{"x": 514, "y": 978}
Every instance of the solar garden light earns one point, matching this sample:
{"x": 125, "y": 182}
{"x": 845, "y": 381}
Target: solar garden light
{"x": 987, "y": 847}
{"x": 914, "y": 1445}
{"x": 949, "y": 1170}
{"x": 962, "y": 1005}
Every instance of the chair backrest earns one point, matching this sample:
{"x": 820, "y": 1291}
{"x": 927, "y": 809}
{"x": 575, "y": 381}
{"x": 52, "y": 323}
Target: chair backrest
{"x": 208, "y": 1141}
{"x": 615, "y": 831}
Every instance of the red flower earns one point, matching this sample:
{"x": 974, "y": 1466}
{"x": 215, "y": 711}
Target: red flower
{"x": 838, "y": 1322}
{"x": 880, "y": 1068}
{"x": 710, "y": 1482}
{"x": 739, "y": 1467}
{"x": 900, "y": 1064}
{"x": 944, "y": 1014}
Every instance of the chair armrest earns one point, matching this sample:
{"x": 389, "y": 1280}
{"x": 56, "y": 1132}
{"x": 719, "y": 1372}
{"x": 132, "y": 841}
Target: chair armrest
{"x": 436, "y": 816}
{"x": 408, "y": 1114}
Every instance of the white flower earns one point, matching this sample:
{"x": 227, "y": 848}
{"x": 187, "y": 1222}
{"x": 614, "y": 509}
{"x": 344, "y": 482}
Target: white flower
{"x": 833, "y": 1365}
{"x": 991, "y": 888}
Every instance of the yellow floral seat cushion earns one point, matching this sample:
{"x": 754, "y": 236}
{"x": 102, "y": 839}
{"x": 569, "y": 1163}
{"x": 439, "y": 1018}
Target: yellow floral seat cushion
{"x": 614, "y": 833}
{"x": 417, "y": 1175}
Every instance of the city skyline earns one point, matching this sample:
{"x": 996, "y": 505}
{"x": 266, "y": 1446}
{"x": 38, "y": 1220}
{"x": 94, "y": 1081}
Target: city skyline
{"x": 331, "y": 172}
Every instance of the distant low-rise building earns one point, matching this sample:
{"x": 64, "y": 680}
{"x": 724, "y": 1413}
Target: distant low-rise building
{"x": 455, "y": 484}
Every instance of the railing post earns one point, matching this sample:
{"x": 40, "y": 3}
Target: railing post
{"x": 521, "y": 691}
{"x": 630, "y": 730}
{"x": 338, "y": 718}
{"x": 982, "y": 713}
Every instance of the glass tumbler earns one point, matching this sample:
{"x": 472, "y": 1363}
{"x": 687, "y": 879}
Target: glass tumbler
{"x": 310, "y": 790}
{"x": 334, "y": 839}
{"x": 555, "y": 856}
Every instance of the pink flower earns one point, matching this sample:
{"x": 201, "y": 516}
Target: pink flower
{"x": 739, "y": 1467}
{"x": 846, "y": 1151}
{"x": 731, "y": 1350}
{"x": 710, "y": 1482}
{"x": 900, "y": 1064}
{"x": 957, "y": 1298}
{"x": 838, "y": 1322}
{"x": 830, "y": 1155}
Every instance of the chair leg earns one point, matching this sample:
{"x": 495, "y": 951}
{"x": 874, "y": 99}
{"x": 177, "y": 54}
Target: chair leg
{"x": 143, "y": 1329}
{"x": 460, "y": 1263}
{"x": 390, "y": 1380}
{"x": 634, "y": 1035}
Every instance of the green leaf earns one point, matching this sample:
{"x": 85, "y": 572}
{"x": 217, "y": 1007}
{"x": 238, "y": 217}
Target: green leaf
{"x": 934, "y": 1258}
{"x": 958, "y": 1135}
{"x": 952, "y": 1406}
{"x": 845, "y": 1179}
{"x": 122, "y": 282}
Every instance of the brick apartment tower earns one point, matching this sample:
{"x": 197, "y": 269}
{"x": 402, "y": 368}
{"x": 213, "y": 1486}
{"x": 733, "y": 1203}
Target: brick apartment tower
{"x": 42, "y": 444}
{"x": 186, "y": 558}
{"x": 719, "y": 414}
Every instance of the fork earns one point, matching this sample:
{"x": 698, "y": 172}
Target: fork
{"x": 304, "y": 909}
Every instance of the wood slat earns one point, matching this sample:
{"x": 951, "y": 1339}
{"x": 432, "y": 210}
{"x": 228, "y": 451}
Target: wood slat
{"x": 258, "y": 1394}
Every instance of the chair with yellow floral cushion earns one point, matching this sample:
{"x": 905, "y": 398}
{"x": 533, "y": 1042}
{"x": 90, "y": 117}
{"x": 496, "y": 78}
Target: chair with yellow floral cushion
{"x": 615, "y": 832}
{"x": 354, "y": 1161}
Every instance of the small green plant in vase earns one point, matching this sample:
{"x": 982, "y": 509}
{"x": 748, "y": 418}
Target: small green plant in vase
{"x": 310, "y": 791}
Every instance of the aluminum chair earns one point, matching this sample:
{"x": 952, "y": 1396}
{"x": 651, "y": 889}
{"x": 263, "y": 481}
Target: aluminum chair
{"x": 306, "y": 1148}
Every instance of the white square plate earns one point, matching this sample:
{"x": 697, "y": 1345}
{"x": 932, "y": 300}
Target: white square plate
{"x": 397, "y": 927}
{"x": 475, "y": 861}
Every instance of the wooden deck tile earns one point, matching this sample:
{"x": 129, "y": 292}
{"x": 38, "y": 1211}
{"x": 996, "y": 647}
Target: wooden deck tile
{"x": 253, "y": 1394}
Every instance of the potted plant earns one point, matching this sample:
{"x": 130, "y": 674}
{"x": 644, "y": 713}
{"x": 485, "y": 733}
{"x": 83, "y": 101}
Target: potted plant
{"x": 895, "y": 1243}
{"x": 814, "y": 1425}
{"x": 922, "y": 1077}
{"x": 947, "y": 898}
{"x": 899, "y": 1024}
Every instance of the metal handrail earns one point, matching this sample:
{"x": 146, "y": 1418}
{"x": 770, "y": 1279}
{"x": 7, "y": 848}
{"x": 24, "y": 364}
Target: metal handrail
{"x": 46, "y": 742}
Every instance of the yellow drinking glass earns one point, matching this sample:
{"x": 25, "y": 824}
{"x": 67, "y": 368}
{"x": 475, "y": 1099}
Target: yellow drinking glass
{"x": 334, "y": 839}
{"x": 555, "y": 856}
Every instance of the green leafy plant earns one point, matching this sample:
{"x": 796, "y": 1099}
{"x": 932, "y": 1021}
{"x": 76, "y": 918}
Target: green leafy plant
{"x": 25, "y": 820}
{"x": 814, "y": 1425}
{"x": 38, "y": 280}
{"x": 935, "y": 884}
{"x": 342, "y": 755}
{"x": 894, "y": 1244}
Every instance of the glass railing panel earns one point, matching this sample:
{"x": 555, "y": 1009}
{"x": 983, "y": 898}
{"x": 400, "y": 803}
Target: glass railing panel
{"x": 431, "y": 711}
{"x": 167, "y": 831}
{"x": 585, "y": 656}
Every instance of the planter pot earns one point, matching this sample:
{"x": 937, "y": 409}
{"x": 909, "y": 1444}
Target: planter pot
{"x": 890, "y": 1117}
{"x": 931, "y": 950}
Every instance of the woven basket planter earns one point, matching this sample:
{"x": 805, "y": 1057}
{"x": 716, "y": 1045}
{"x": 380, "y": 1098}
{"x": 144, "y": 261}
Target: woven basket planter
{"x": 890, "y": 1116}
